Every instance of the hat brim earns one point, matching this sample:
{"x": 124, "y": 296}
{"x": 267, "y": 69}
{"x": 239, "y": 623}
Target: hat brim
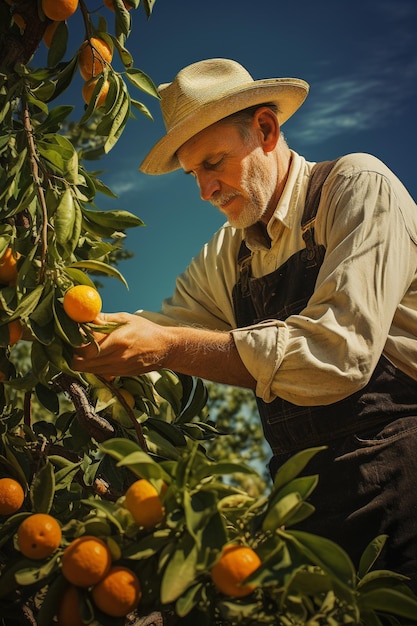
{"x": 287, "y": 93}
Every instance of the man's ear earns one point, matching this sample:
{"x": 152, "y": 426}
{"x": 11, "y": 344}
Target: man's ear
{"x": 266, "y": 121}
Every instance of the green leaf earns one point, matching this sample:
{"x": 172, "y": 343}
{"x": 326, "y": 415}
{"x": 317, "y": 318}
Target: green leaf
{"x": 149, "y": 545}
{"x": 79, "y": 277}
{"x": 108, "y": 508}
{"x": 117, "y": 220}
{"x": 325, "y": 553}
{"x": 28, "y": 303}
{"x": 303, "y": 485}
{"x": 99, "y": 266}
{"x": 33, "y": 574}
{"x": 64, "y": 217}
{"x": 42, "y": 489}
{"x": 169, "y": 431}
{"x": 123, "y": 21}
{"x": 199, "y": 508}
{"x": 50, "y": 601}
{"x": 59, "y": 43}
{"x": 119, "y": 121}
{"x": 194, "y": 398}
{"x": 102, "y": 188}
{"x": 222, "y": 467}
{"x": 65, "y": 476}
{"x": 142, "y": 81}
{"x": 141, "y": 107}
{"x": 60, "y": 155}
{"x": 64, "y": 75}
{"x": 148, "y": 6}
{"x": 391, "y": 601}
{"x": 370, "y": 554}
{"x": 294, "y": 466}
{"x": 142, "y": 465}
{"x": 67, "y": 328}
{"x": 124, "y": 54}
{"x": 181, "y": 570}
{"x": 47, "y": 398}
{"x": 188, "y": 600}
{"x": 9, "y": 582}
{"x": 278, "y": 514}
{"x": 53, "y": 121}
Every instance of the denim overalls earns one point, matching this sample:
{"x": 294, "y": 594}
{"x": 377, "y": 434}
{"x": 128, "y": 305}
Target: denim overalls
{"x": 368, "y": 474}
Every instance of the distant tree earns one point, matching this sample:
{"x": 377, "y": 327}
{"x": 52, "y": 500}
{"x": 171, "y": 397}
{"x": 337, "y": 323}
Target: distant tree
{"x": 234, "y": 412}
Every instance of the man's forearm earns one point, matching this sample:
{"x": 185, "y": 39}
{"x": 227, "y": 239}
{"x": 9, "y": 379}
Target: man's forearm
{"x": 207, "y": 354}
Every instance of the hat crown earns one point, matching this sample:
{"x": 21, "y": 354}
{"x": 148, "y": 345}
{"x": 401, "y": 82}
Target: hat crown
{"x": 206, "y": 92}
{"x": 198, "y": 84}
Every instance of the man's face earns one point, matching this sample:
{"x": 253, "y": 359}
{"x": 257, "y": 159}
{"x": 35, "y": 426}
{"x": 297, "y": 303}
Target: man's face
{"x": 232, "y": 173}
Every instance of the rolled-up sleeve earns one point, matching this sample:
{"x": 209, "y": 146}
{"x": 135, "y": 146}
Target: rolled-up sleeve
{"x": 261, "y": 348}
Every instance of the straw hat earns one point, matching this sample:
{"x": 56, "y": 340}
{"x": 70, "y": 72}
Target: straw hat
{"x": 204, "y": 93}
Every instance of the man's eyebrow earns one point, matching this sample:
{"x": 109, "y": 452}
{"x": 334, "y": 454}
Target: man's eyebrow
{"x": 207, "y": 159}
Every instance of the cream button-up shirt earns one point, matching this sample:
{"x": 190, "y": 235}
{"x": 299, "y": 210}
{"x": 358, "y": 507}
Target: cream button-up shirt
{"x": 365, "y": 300}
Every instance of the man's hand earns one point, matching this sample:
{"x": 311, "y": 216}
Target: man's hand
{"x": 135, "y": 347}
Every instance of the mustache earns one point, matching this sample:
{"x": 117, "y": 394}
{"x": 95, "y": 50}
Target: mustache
{"x": 220, "y": 201}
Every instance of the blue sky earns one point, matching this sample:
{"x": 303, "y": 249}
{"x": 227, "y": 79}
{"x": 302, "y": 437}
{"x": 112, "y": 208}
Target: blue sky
{"x": 360, "y": 59}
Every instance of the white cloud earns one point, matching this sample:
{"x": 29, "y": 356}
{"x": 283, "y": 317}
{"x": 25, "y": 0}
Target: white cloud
{"x": 383, "y": 87}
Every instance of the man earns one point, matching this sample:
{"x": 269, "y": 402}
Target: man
{"x": 318, "y": 318}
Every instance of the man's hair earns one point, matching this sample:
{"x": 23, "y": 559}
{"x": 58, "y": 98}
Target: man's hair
{"x": 242, "y": 118}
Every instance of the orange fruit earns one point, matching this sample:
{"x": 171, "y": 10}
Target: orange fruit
{"x": 235, "y": 564}
{"x": 59, "y": 10}
{"x": 69, "y": 608}
{"x": 110, "y": 5}
{"x": 15, "y": 332}
{"x": 82, "y": 303}
{"x": 38, "y": 536}
{"x": 118, "y": 593}
{"x": 89, "y": 87}
{"x": 93, "y": 55}
{"x": 144, "y": 503}
{"x": 11, "y": 496}
{"x": 49, "y": 33}
{"x": 8, "y": 267}
{"x": 85, "y": 561}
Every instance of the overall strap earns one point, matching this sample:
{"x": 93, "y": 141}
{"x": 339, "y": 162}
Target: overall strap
{"x": 318, "y": 175}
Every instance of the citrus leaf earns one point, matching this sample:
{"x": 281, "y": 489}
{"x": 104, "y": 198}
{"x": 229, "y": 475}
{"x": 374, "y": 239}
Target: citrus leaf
{"x": 142, "y": 465}
{"x": 325, "y": 553}
{"x": 64, "y": 217}
{"x": 390, "y": 601}
{"x": 181, "y": 570}
{"x": 370, "y": 554}
{"x": 99, "y": 266}
{"x": 42, "y": 489}
{"x": 117, "y": 220}
{"x": 59, "y": 43}
{"x": 277, "y": 515}
{"x": 291, "y": 468}
{"x": 142, "y": 81}
{"x": 32, "y": 575}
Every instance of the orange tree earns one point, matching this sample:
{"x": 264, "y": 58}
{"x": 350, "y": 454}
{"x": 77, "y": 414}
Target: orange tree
{"x": 113, "y": 511}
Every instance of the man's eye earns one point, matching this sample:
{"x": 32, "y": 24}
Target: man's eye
{"x": 215, "y": 165}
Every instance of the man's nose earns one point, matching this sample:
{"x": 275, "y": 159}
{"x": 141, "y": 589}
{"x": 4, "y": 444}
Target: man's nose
{"x": 208, "y": 184}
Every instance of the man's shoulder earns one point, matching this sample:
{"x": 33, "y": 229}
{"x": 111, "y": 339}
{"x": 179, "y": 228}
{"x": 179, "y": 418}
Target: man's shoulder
{"x": 358, "y": 162}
